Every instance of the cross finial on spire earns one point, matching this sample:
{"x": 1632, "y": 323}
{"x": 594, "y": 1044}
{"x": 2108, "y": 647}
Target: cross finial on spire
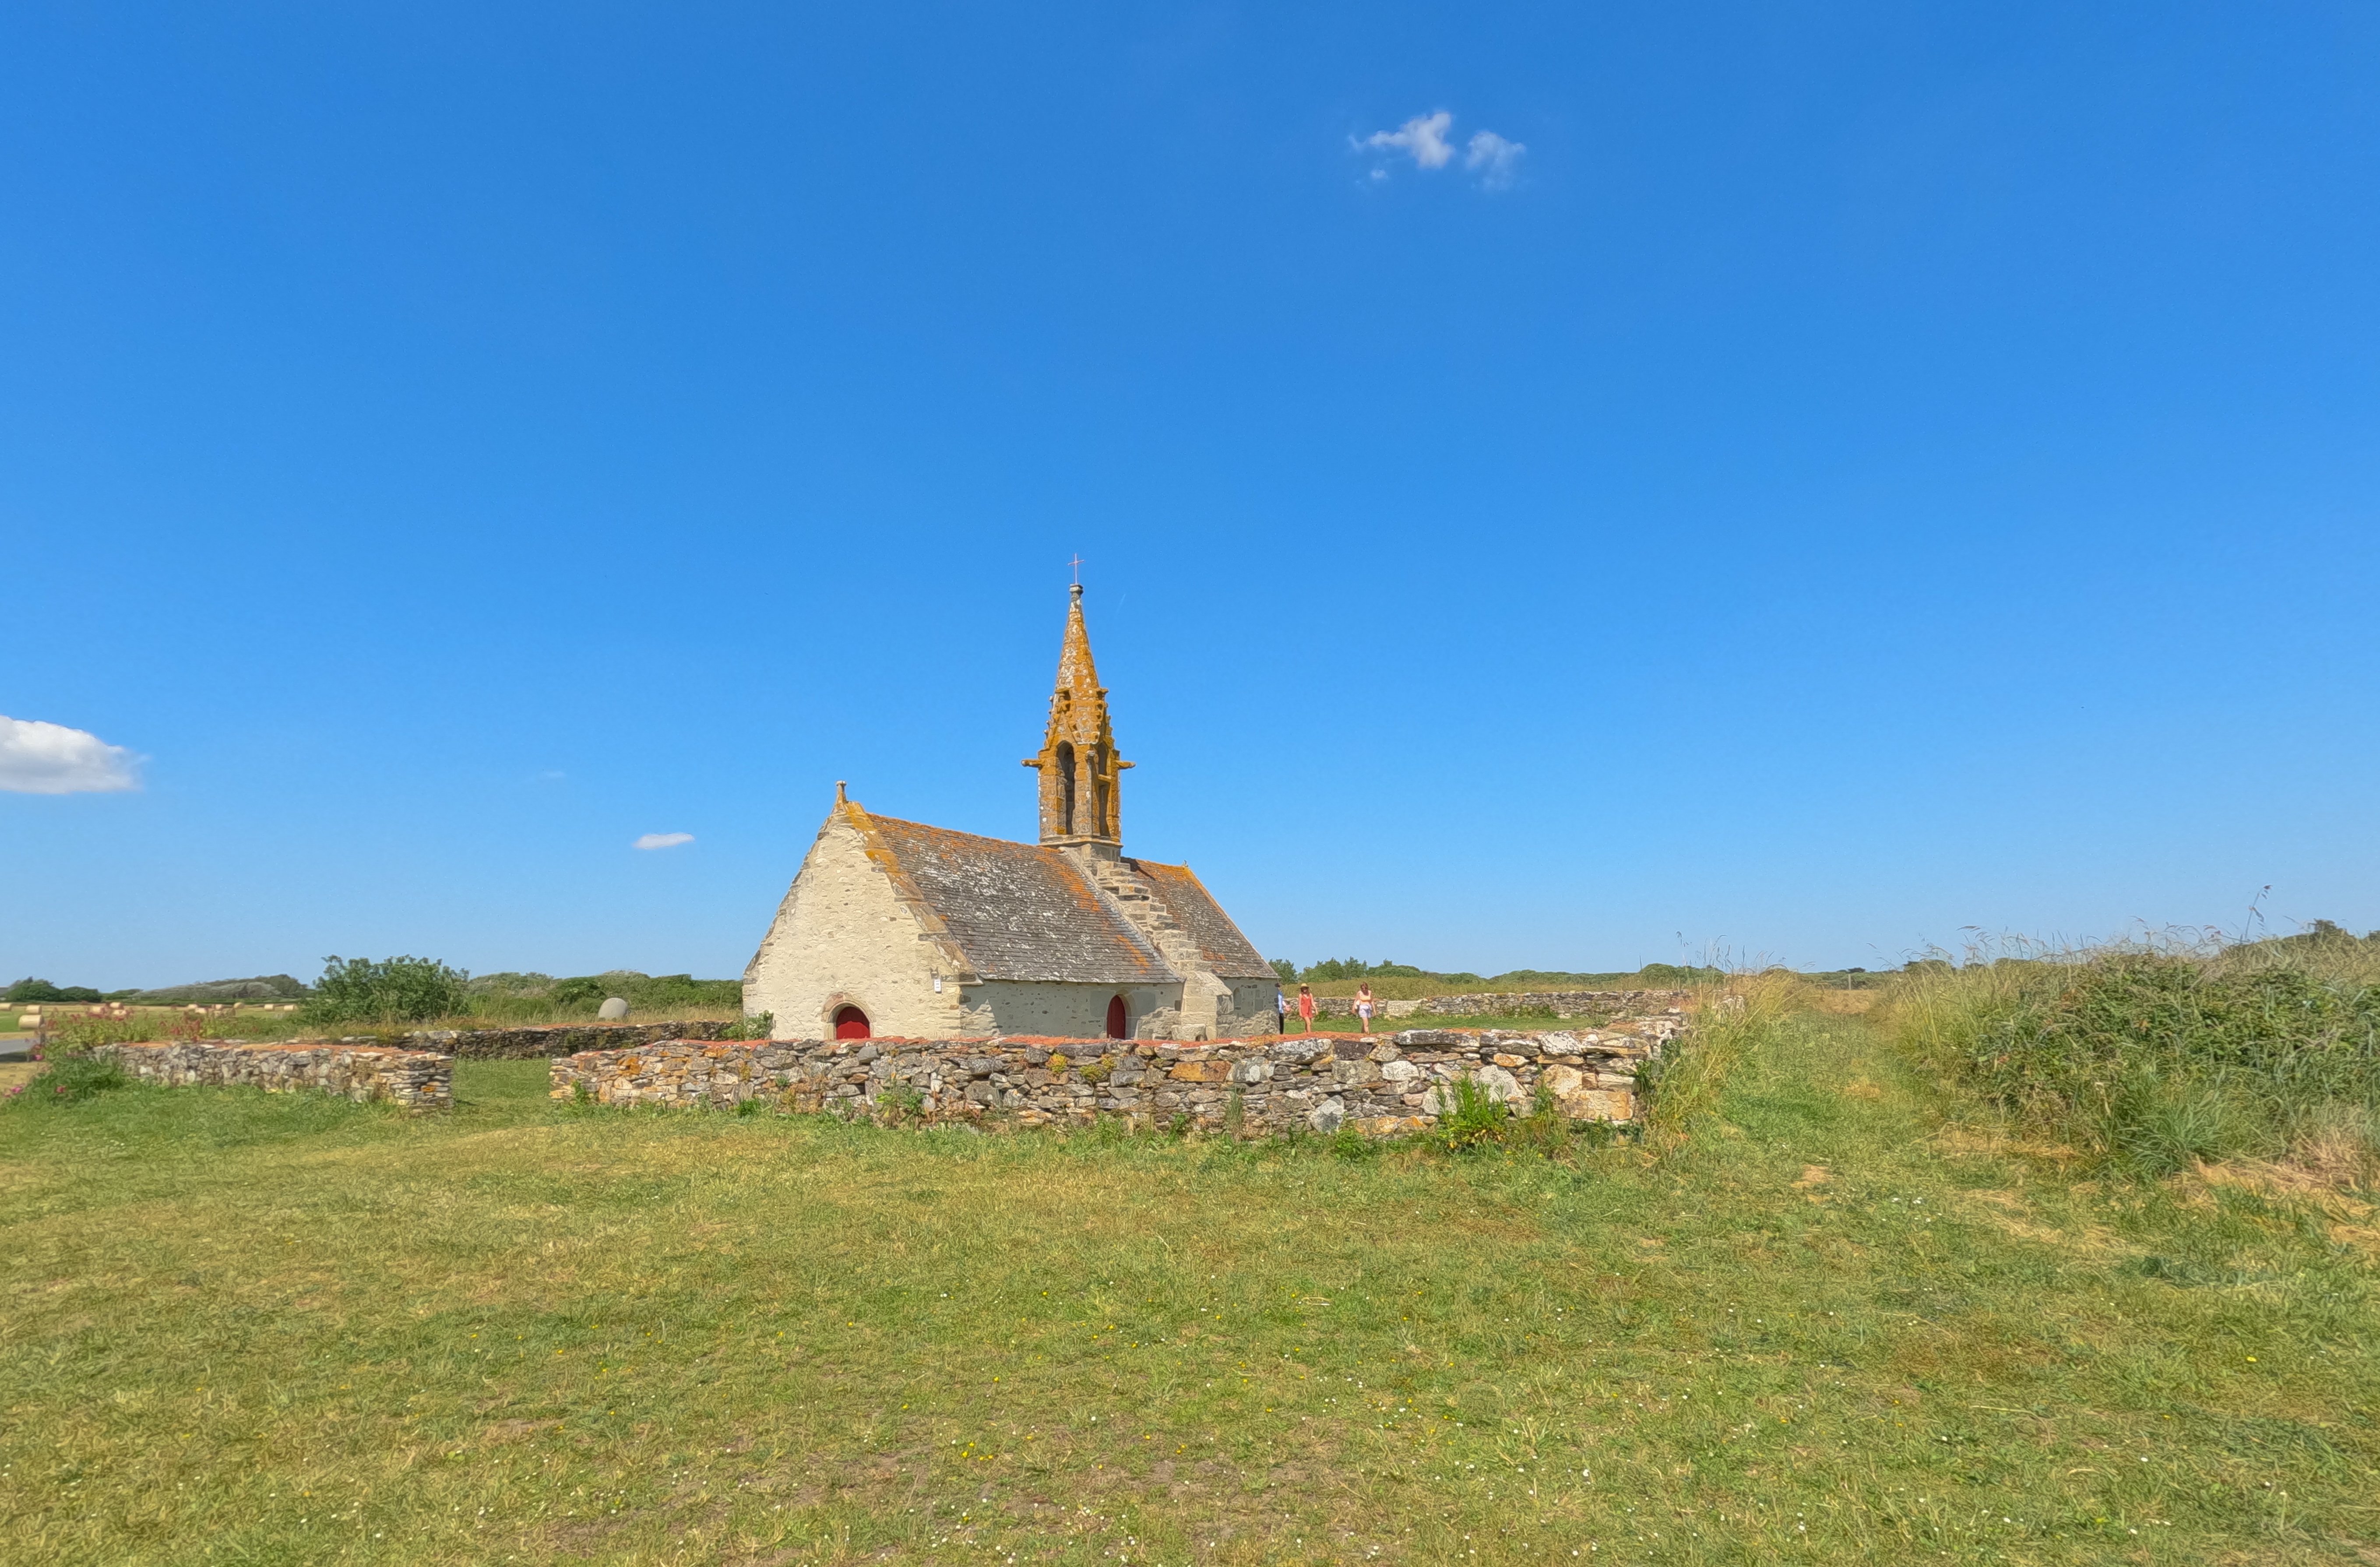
{"x": 1077, "y": 564}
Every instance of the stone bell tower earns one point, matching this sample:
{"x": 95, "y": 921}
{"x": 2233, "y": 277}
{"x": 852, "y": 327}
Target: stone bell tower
{"x": 1078, "y": 763}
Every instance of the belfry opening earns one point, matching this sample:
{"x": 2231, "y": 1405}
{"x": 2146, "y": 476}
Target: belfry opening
{"x": 1078, "y": 763}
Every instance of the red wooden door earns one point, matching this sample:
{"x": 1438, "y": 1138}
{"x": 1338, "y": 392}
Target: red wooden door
{"x": 850, "y": 1023}
{"x": 1118, "y": 1019}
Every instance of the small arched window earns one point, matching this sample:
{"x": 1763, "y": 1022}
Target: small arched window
{"x": 1065, "y": 786}
{"x": 1118, "y": 1019}
{"x": 850, "y": 1023}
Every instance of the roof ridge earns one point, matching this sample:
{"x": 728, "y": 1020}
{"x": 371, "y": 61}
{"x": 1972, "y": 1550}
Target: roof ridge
{"x": 961, "y": 832}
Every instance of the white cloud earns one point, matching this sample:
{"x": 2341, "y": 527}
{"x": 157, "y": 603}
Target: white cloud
{"x": 1423, "y": 136}
{"x": 1495, "y": 160}
{"x": 50, "y": 759}
{"x": 663, "y": 840}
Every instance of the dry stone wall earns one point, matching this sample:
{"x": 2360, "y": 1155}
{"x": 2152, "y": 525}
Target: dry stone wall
{"x": 1508, "y": 1003}
{"x": 546, "y": 1041}
{"x": 1378, "y": 1084}
{"x": 362, "y": 1070}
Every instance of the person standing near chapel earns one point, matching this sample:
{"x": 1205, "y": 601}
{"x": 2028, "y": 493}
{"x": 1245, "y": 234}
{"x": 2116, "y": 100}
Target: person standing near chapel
{"x": 1364, "y": 1005}
{"x": 1306, "y": 1008}
{"x": 1281, "y": 1010}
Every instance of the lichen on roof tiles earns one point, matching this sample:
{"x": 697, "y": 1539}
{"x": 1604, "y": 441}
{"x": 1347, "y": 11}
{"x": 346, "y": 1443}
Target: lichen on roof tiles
{"x": 1227, "y": 952}
{"x": 1020, "y": 911}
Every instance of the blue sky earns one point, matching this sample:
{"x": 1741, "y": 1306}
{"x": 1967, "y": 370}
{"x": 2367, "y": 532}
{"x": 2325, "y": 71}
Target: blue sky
{"x": 1823, "y": 477}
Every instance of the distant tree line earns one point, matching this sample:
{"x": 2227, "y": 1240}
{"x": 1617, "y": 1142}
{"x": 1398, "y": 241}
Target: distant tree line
{"x": 415, "y": 990}
{"x": 27, "y": 990}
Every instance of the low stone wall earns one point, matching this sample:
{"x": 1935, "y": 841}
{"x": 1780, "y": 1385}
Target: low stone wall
{"x": 1508, "y": 1003}
{"x": 545, "y": 1041}
{"x": 359, "y": 1069}
{"x": 1319, "y": 1082}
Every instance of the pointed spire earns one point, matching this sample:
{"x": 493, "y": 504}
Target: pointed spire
{"x": 1079, "y": 677}
{"x": 1079, "y": 764}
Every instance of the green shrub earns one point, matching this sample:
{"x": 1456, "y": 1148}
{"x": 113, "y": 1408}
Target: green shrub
{"x": 1475, "y": 1119}
{"x": 68, "y": 1077}
{"x": 397, "y": 989}
{"x": 1543, "y": 1130}
{"x": 1349, "y": 1144}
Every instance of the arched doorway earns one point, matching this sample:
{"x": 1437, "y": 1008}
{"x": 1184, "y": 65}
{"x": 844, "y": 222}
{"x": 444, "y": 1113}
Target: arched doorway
{"x": 850, "y": 1023}
{"x": 1118, "y": 1019}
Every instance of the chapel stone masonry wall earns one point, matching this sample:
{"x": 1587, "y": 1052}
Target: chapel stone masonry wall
{"x": 1380, "y": 1086}
{"x": 1026, "y": 1006}
{"x": 843, "y": 936}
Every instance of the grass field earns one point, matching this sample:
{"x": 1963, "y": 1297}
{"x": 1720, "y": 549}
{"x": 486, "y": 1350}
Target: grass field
{"x": 1822, "y": 1324}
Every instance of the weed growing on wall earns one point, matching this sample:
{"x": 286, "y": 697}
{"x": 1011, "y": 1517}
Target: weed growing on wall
{"x": 1472, "y": 1119}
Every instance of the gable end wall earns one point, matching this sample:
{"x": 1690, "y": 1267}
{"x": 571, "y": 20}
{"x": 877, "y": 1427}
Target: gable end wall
{"x": 844, "y": 936}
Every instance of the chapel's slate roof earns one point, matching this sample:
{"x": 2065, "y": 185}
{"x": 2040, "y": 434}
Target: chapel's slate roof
{"x": 1227, "y": 951}
{"x": 1019, "y": 911}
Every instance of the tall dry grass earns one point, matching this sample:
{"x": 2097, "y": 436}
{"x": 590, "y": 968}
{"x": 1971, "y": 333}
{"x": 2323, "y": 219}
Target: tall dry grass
{"x": 1732, "y": 1017}
{"x": 2162, "y": 1052}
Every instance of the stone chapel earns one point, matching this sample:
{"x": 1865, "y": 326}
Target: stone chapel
{"x": 896, "y": 929}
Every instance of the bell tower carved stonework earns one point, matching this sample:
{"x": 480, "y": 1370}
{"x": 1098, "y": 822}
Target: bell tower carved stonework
{"x": 1080, "y": 770}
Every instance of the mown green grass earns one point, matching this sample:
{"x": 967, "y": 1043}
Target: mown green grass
{"x": 283, "y": 1329}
